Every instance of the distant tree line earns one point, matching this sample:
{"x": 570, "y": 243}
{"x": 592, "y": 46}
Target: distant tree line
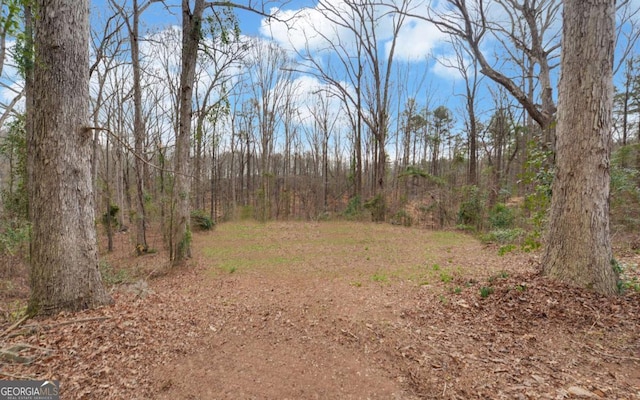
{"x": 202, "y": 123}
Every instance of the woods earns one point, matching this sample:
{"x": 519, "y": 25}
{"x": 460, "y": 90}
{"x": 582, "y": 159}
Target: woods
{"x": 320, "y": 199}
{"x": 326, "y": 113}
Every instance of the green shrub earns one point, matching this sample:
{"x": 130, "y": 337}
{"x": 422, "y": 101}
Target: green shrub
{"x": 377, "y": 207}
{"x": 507, "y": 248}
{"x": 354, "y": 208}
{"x": 14, "y": 237}
{"x": 201, "y": 220}
{"x": 109, "y": 218}
{"x": 539, "y": 175}
{"x": 402, "y": 218}
{"x": 501, "y": 216}
{"x": 247, "y": 212}
{"x": 471, "y": 212}
{"x": 13, "y": 152}
{"x": 625, "y": 194}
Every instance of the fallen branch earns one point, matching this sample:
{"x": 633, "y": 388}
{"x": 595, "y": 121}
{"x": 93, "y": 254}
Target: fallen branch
{"x": 14, "y": 326}
{"x": 31, "y": 328}
{"x": 14, "y": 357}
{"x": 12, "y": 353}
{"x": 75, "y": 321}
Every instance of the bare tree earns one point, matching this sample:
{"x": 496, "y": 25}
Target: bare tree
{"x": 269, "y": 75}
{"x": 324, "y": 121}
{"x": 139, "y": 133}
{"x": 211, "y": 93}
{"x": 627, "y": 31}
{"x": 467, "y": 65}
{"x": 530, "y": 30}
{"x": 363, "y": 80}
{"x": 106, "y": 50}
{"x": 192, "y": 17}
{"x": 22, "y": 53}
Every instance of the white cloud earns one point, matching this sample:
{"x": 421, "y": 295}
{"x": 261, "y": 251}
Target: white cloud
{"x": 314, "y": 29}
{"x": 417, "y": 39}
{"x": 304, "y": 29}
{"x": 445, "y": 67}
{"x": 307, "y": 92}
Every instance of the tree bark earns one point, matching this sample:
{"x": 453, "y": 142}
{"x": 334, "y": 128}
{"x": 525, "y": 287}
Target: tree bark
{"x": 578, "y": 246}
{"x": 180, "y": 242}
{"x": 63, "y": 251}
{"x": 138, "y": 134}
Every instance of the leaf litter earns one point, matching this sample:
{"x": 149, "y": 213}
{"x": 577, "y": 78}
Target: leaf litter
{"x": 294, "y": 330}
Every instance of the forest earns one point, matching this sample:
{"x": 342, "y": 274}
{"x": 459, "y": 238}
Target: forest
{"x": 386, "y": 189}
{"x": 277, "y": 133}
{"x": 337, "y": 126}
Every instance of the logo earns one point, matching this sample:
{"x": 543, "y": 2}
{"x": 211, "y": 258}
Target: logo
{"x": 29, "y": 390}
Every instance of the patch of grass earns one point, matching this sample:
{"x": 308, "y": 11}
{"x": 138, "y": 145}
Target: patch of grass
{"x": 111, "y": 276}
{"x": 499, "y": 275}
{"x": 348, "y": 250}
{"x": 230, "y": 266}
{"x": 379, "y": 277}
{"x": 356, "y": 284}
{"x": 445, "y": 277}
{"x": 628, "y": 276}
{"x": 507, "y": 248}
{"x": 503, "y": 236}
{"x": 6, "y": 285}
{"x": 485, "y": 291}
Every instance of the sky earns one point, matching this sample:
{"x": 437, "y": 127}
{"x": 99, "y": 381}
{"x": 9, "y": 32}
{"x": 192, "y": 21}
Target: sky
{"x": 422, "y": 50}
{"x": 421, "y": 47}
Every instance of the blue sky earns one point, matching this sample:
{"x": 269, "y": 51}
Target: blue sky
{"x": 418, "y": 40}
{"x": 441, "y": 85}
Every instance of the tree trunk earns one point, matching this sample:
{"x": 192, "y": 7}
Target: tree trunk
{"x": 578, "y": 246}
{"x": 180, "y": 242}
{"x": 138, "y": 134}
{"x": 63, "y": 251}
{"x": 472, "y": 173}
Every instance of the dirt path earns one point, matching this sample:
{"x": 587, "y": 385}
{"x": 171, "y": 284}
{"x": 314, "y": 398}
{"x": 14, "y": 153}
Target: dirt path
{"x": 321, "y": 311}
{"x": 284, "y": 339}
{"x": 346, "y": 311}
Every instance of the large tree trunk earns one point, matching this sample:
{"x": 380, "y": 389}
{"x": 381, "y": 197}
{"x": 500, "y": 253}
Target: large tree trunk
{"x": 180, "y": 208}
{"x": 578, "y": 246}
{"x": 63, "y": 252}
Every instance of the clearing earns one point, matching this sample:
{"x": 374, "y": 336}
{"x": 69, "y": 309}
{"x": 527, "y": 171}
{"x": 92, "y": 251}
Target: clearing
{"x": 338, "y": 310}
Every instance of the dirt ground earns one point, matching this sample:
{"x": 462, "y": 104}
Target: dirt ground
{"x": 337, "y": 310}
